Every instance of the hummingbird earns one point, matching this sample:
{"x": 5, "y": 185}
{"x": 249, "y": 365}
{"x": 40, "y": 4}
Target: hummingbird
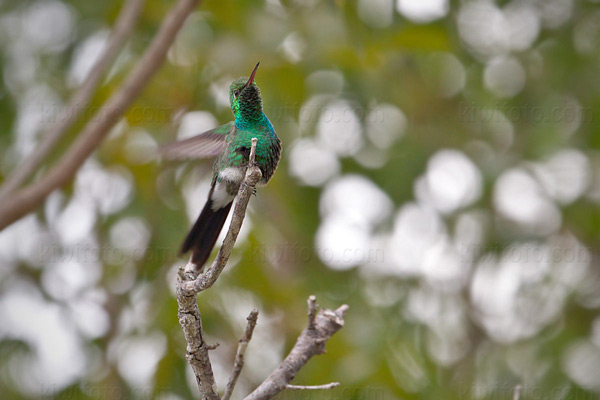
{"x": 231, "y": 144}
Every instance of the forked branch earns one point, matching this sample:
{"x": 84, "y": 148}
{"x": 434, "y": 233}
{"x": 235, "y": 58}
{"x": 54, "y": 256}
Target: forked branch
{"x": 190, "y": 282}
{"x": 321, "y": 327}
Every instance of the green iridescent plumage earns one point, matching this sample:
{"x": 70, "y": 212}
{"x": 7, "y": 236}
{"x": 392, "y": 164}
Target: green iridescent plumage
{"x": 250, "y": 122}
{"x": 231, "y": 144}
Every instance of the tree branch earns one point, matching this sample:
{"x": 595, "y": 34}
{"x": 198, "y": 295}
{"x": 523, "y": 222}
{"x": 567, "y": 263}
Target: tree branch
{"x": 241, "y": 351}
{"x": 197, "y": 348}
{"x": 124, "y": 25}
{"x": 27, "y": 199}
{"x": 189, "y": 284}
{"x": 311, "y": 342}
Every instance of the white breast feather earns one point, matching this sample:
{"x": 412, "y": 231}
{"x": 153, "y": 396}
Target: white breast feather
{"x": 220, "y": 197}
{"x": 232, "y": 174}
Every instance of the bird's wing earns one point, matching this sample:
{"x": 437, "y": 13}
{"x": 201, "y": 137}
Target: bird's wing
{"x": 207, "y": 144}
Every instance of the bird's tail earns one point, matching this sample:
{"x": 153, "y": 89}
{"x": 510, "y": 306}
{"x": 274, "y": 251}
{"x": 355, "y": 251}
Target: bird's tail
{"x": 204, "y": 233}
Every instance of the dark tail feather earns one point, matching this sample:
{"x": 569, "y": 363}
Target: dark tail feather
{"x": 205, "y": 232}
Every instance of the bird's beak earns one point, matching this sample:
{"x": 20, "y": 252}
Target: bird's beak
{"x": 251, "y": 79}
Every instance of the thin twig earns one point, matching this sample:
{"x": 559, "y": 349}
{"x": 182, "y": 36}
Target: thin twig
{"x": 124, "y": 25}
{"x": 517, "y": 392}
{"x": 312, "y": 311}
{"x": 313, "y": 387}
{"x": 241, "y": 351}
{"x": 310, "y": 342}
{"x": 213, "y": 346}
{"x": 26, "y": 200}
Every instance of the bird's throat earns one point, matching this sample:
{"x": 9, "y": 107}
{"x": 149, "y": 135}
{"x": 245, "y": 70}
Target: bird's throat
{"x": 251, "y": 121}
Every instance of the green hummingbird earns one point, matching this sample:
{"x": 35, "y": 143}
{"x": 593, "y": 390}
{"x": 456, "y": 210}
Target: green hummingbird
{"x": 230, "y": 143}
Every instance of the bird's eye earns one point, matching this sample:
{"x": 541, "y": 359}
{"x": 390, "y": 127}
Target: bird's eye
{"x": 236, "y": 93}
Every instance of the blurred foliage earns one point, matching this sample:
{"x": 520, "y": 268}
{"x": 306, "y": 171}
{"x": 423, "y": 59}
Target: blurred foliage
{"x": 468, "y": 134}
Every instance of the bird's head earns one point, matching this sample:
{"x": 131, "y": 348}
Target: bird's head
{"x": 245, "y": 99}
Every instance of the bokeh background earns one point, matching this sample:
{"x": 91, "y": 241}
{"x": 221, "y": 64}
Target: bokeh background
{"x": 440, "y": 174}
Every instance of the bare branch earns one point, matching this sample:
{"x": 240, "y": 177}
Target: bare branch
{"x": 25, "y": 200}
{"x": 241, "y": 351}
{"x": 197, "y": 348}
{"x": 124, "y": 25}
{"x": 189, "y": 285}
{"x": 313, "y": 387}
{"x": 311, "y": 342}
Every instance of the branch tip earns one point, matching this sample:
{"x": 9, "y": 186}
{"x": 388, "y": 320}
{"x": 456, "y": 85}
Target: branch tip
{"x": 239, "y": 356}
{"x": 212, "y": 346}
{"x": 252, "y": 156}
{"x": 517, "y": 392}
{"x": 342, "y": 310}
{"x": 253, "y": 315}
{"x": 312, "y": 311}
